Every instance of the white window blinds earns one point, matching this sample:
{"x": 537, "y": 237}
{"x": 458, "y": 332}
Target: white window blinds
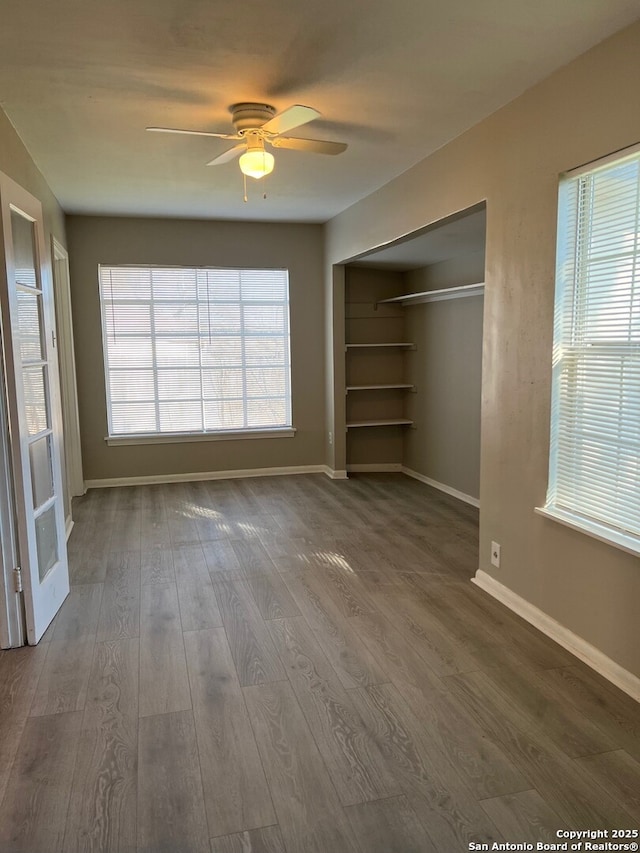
{"x": 195, "y": 350}
{"x": 595, "y": 425}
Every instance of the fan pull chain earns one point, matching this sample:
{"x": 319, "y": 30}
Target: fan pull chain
{"x": 244, "y": 180}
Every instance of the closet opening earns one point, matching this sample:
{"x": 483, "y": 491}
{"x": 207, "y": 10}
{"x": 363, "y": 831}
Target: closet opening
{"x": 413, "y": 355}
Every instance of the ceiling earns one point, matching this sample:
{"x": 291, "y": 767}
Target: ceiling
{"x": 461, "y": 234}
{"x": 81, "y": 79}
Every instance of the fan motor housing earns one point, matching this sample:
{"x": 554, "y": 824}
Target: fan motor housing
{"x": 249, "y": 116}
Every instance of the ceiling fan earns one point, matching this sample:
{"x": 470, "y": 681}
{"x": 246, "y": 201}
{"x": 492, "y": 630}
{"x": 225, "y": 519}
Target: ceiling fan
{"x": 258, "y": 124}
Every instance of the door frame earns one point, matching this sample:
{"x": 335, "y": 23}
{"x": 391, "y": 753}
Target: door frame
{"x": 71, "y": 448}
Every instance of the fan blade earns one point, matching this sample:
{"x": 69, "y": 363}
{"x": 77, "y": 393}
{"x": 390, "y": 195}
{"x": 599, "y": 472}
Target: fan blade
{"x": 193, "y": 132}
{"x": 228, "y": 155}
{"x": 316, "y": 146}
{"x": 291, "y": 117}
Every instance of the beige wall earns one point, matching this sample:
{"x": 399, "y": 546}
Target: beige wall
{"x": 95, "y": 240}
{"x": 16, "y": 162}
{"x": 447, "y": 372}
{"x": 465, "y": 268}
{"x": 513, "y": 160}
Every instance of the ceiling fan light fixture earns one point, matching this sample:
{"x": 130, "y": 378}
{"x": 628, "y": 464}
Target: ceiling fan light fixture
{"x": 256, "y": 163}
{"x": 254, "y": 124}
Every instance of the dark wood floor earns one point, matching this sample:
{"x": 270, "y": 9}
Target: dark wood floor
{"x": 295, "y": 664}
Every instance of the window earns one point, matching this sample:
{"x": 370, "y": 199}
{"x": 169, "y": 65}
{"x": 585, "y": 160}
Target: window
{"x": 195, "y": 351}
{"x": 594, "y": 480}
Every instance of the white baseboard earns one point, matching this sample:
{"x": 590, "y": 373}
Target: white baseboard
{"x": 609, "y": 669}
{"x": 334, "y": 474}
{"x": 68, "y": 527}
{"x": 375, "y": 468}
{"x": 205, "y": 475}
{"x": 468, "y": 499}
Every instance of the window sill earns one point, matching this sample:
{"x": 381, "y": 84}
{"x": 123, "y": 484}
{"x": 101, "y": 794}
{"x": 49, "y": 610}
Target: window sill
{"x": 624, "y": 541}
{"x": 186, "y": 437}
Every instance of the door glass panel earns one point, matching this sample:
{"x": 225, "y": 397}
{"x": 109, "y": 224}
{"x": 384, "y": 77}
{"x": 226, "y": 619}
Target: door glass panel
{"x": 35, "y": 400}
{"x": 46, "y": 541}
{"x": 41, "y": 470}
{"x": 24, "y": 250}
{"x": 30, "y": 324}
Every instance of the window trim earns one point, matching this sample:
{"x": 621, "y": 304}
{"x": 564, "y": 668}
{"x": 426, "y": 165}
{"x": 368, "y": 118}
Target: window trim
{"x": 623, "y": 541}
{"x": 601, "y": 162}
{"x": 186, "y": 437}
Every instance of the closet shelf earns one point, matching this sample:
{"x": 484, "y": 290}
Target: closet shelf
{"x": 437, "y": 295}
{"x": 379, "y": 423}
{"x": 397, "y": 385}
{"x": 371, "y": 346}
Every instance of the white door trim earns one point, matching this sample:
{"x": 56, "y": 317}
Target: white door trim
{"x": 67, "y": 364}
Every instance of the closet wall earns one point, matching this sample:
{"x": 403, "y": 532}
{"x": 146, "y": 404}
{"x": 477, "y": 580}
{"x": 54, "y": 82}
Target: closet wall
{"x": 445, "y": 446}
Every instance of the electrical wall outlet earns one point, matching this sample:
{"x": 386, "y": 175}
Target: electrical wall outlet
{"x": 495, "y": 554}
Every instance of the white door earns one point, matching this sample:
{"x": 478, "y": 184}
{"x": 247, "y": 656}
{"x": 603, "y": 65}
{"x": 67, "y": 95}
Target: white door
{"x": 33, "y": 397}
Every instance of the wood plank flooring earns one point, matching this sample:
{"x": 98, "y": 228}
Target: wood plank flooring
{"x": 298, "y": 665}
